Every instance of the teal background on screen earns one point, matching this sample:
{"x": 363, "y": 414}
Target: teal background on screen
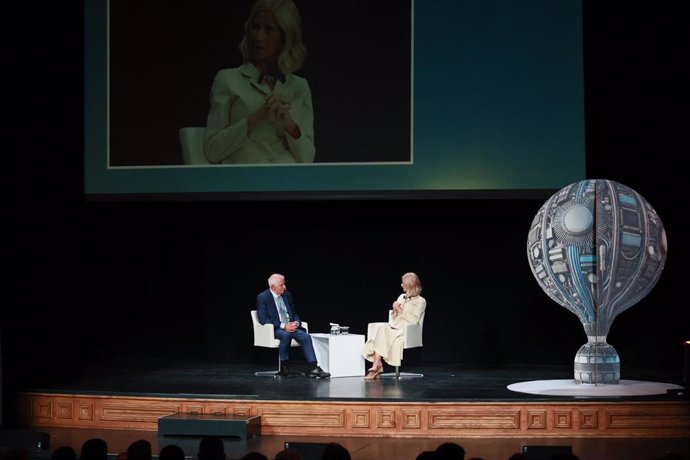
{"x": 498, "y": 104}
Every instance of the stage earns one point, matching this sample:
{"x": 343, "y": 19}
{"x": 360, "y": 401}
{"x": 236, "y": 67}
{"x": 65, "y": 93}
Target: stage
{"x": 448, "y": 401}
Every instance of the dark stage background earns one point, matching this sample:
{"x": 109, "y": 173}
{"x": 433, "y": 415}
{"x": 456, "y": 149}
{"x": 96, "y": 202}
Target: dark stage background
{"x": 176, "y": 280}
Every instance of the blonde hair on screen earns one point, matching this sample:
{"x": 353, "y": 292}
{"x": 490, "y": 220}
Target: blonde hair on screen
{"x": 285, "y": 11}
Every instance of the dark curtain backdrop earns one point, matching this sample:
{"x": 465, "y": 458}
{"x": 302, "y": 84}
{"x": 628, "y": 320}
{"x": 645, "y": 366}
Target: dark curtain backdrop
{"x": 176, "y": 280}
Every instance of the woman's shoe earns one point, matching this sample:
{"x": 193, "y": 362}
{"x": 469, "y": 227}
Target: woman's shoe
{"x": 374, "y": 374}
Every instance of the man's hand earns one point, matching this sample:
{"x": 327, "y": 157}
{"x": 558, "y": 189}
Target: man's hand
{"x": 292, "y": 326}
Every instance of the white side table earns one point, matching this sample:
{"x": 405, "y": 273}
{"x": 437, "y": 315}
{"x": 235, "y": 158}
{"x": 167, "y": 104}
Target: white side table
{"x": 341, "y": 355}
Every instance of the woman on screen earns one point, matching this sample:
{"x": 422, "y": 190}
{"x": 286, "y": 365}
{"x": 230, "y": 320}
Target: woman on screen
{"x": 261, "y": 112}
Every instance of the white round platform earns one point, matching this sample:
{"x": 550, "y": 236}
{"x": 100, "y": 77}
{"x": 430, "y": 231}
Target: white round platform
{"x": 570, "y": 387}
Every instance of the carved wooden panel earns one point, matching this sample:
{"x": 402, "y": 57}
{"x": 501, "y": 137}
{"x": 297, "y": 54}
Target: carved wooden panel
{"x": 361, "y": 419}
{"x": 217, "y": 410}
{"x": 339, "y": 418}
{"x": 411, "y": 419}
{"x": 589, "y": 419}
{"x": 136, "y": 412}
{"x": 505, "y": 419}
{"x": 386, "y": 419}
{"x": 43, "y": 408}
{"x": 196, "y": 409}
{"x": 536, "y": 419}
{"x": 563, "y": 419}
{"x": 64, "y": 410}
{"x": 306, "y": 417}
{"x": 242, "y": 411}
{"x": 85, "y": 411}
{"x": 646, "y": 417}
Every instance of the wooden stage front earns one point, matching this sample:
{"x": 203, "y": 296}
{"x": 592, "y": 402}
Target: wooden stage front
{"x": 445, "y": 403}
{"x": 342, "y": 418}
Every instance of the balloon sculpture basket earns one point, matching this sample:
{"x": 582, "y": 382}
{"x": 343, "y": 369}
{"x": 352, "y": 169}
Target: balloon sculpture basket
{"x": 597, "y": 362}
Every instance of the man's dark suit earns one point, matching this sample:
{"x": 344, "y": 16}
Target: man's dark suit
{"x": 267, "y": 311}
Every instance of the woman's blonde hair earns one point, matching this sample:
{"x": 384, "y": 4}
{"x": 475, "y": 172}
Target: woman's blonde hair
{"x": 413, "y": 285}
{"x": 285, "y": 11}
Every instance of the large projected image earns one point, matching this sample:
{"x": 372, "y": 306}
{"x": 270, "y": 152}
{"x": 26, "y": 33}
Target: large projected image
{"x": 191, "y": 64}
{"x": 391, "y": 96}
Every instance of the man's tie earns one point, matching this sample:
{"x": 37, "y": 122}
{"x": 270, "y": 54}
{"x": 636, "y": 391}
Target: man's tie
{"x": 282, "y": 310}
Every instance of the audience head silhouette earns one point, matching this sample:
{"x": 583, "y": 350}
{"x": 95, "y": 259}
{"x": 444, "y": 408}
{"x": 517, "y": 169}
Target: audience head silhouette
{"x": 254, "y": 456}
{"x": 94, "y": 449}
{"x": 518, "y": 456}
{"x": 64, "y": 453}
{"x": 211, "y": 448}
{"x": 288, "y": 454}
{"x": 171, "y": 452}
{"x": 139, "y": 450}
{"x": 427, "y": 455}
{"x": 450, "y": 451}
{"x": 335, "y": 451}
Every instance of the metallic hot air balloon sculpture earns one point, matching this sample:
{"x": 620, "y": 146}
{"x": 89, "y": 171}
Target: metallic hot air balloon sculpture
{"x": 597, "y": 248}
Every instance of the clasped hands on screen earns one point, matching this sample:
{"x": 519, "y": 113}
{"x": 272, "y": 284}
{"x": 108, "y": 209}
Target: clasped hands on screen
{"x": 276, "y": 107}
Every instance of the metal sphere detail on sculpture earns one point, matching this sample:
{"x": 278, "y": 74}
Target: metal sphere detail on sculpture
{"x": 597, "y": 247}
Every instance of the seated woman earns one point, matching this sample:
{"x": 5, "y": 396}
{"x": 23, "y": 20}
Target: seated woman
{"x": 387, "y": 340}
{"x": 261, "y": 111}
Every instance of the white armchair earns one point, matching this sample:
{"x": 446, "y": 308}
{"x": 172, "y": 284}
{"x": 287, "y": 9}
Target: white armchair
{"x": 264, "y": 336}
{"x": 412, "y": 338}
{"x": 192, "y": 144}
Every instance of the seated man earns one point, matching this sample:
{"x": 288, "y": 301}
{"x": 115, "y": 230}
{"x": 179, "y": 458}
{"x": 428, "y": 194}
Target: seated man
{"x": 275, "y": 306}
